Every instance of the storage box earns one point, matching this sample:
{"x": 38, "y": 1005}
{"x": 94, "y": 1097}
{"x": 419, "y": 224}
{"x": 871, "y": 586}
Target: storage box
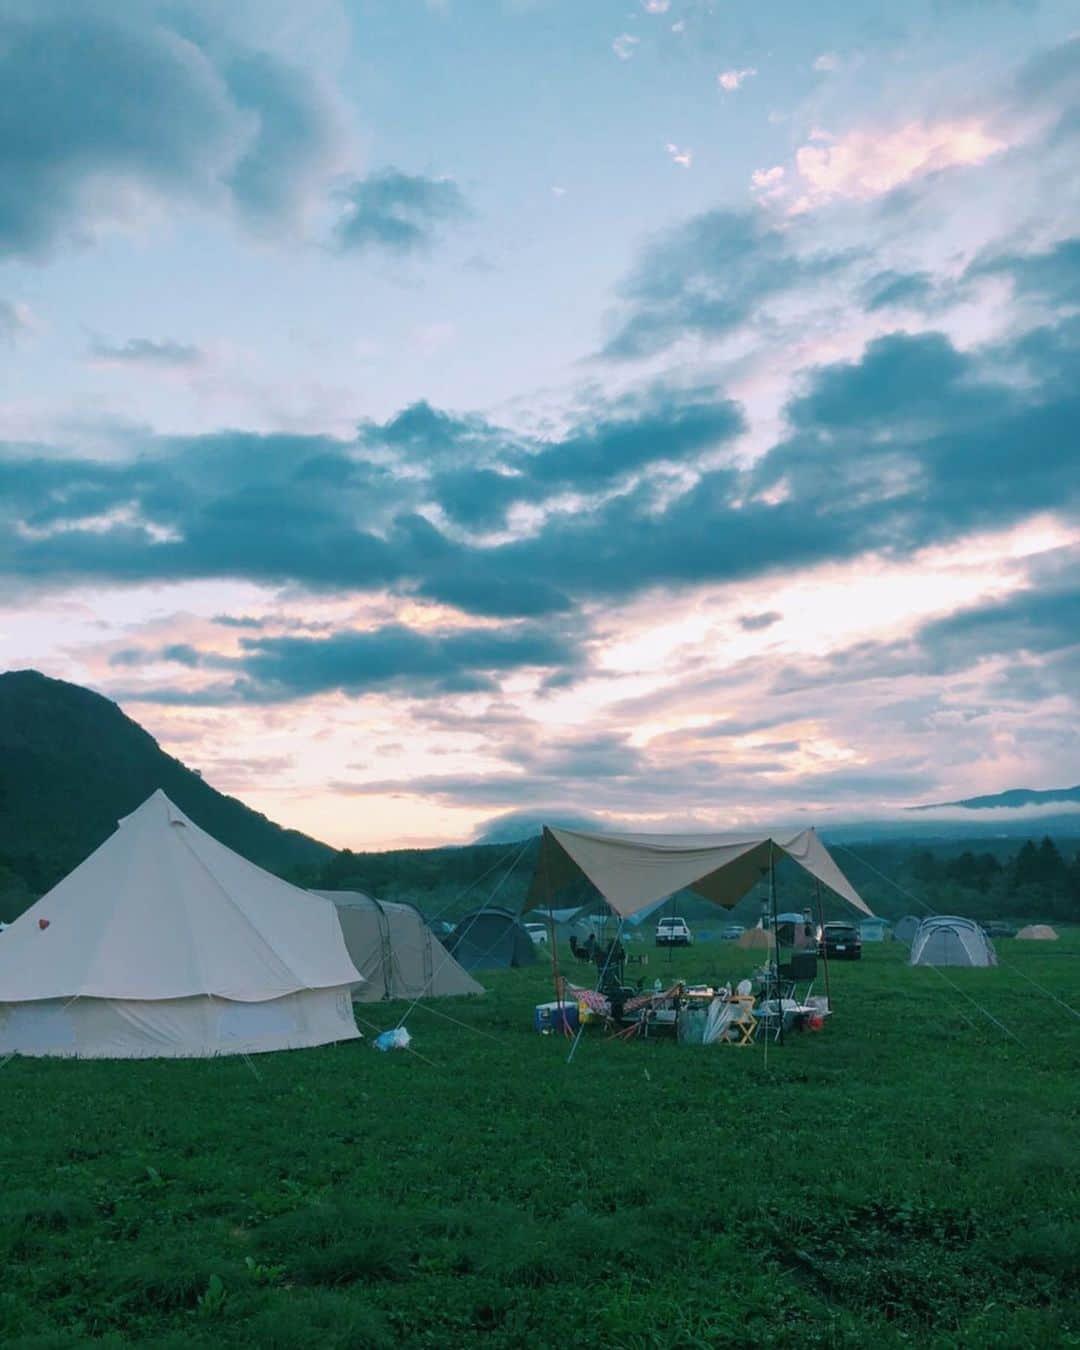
{"x": 556, "y": 1016}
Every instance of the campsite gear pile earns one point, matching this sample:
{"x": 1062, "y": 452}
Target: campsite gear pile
{"x": 698, "y": 1014}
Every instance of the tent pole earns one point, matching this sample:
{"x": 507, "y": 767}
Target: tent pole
{"x": 776, "y": 941}
{"x": 824, "y": 945}
{"x": 552, "y": 939}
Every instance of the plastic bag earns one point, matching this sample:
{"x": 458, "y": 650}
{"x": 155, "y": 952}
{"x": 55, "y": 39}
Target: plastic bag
{"x": 397, "y": 1039}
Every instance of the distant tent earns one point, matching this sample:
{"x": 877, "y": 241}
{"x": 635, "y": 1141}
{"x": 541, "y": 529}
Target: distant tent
{"x": 793, "y": 930}
{"x": 166, "y": 943}
{"x": 906, "y": 928}
{"x": 577, "y": 922}
{"x": 1038, "y": 932}
{"x": 874, "y": 930}
{"x": 490, "y": 939}
{"x": 946, "y": 940}
{"x": 756, "y": 938}
{"x": 391, "y": 945}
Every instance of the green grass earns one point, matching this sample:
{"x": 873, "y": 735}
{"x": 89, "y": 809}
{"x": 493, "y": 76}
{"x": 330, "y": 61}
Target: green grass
{"x": 907, "y": 1177}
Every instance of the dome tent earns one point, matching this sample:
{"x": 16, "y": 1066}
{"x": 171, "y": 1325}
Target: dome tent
{"x": 906, "y": 928}
{"x": 1038, "y": 932}
{"x": 490, "y": 939}
{"x": 874, "y": 930}
{"x": 164, "y": 942}
{"x": 947, "y": 940}
{"x": 395, "y": 951}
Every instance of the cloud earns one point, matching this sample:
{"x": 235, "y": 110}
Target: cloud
{"x": 826, "y": 62}
{"x": 913, "y": 444}
{"x": 624, "y": 45}
{"x": 282, "y": 669}
{"x": 730, "y": 80}
{"x": 708, "y": 277}
{"x": 656, "y": 6}
{"x": 398, "y": 212}
{"x": 1052, "y": 274}
{"x": 890, "y": 289}
{"x": 16, "y": 321}
{"x": 684, "y": 158}
{"x": 752, "y": 623}
{"x": 163, "y": 352}
{"x": 868, "y": 163}
{"x": 111, "y": 109}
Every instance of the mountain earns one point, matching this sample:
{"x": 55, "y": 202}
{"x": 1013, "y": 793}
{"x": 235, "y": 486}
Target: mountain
{"x": 1013, "y": 797}
{"x": 72, "y": 764}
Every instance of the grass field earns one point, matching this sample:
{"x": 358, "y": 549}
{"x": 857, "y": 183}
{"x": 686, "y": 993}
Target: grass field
{"x": 909, "y": 1176}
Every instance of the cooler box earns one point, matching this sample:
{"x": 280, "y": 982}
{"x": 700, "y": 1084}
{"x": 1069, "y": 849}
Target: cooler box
{"x": 556, "y": 1016}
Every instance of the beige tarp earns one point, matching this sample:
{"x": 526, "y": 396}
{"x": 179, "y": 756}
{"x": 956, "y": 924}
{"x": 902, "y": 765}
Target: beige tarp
{"x": 634, "y": 871}
{"x": 395, "y": 951}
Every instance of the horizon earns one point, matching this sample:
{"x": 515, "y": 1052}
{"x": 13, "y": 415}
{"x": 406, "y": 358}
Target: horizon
{"x": 657, "y": 413}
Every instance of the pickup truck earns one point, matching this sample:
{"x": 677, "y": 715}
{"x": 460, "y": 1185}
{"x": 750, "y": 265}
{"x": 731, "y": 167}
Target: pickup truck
{"x": 673, "y": 932}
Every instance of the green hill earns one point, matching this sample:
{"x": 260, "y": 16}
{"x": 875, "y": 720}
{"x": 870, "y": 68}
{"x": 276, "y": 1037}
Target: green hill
{"x": 72, "y": 764}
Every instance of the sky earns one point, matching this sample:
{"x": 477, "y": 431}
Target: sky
{"x": 662, "y": 412}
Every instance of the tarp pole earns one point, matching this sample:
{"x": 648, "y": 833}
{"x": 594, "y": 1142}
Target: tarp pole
{"x": 824, "y": 946}
{"x": 552, "y": 939}
{"x": 776, "y": 941}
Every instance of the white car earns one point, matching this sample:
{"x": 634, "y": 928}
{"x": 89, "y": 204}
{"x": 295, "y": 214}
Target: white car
{"x": 672, "y": 932}
{"x": 538, "y": 932}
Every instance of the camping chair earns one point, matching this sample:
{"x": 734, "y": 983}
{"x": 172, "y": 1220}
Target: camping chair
{"x": 744, "y": 1022}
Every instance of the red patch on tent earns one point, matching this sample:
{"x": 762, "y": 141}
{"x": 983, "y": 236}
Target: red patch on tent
{"x": 43, "y": 924}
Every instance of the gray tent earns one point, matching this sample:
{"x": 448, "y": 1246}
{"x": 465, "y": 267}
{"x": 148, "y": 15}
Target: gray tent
{"x": 396, "y": 952}
{"x": 906, "y": 928}
{"x": 491, "y": 939}
{"x": 947, "y": 940}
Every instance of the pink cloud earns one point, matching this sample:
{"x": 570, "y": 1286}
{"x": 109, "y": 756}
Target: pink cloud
{"x": 730, "y": 80}
{"x": 865, "y": 164}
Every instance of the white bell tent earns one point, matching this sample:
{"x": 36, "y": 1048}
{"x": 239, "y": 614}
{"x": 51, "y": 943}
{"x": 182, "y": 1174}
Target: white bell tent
{"x": 166, "y": 943}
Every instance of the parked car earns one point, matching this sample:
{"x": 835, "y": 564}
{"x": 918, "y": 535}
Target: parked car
{"x": 732, "y": 932}
{"x": 538, "y": 932}
{"x": 840, "y": 942}
{"x": 673, "y": 932}
{"x": 998, "y": 928}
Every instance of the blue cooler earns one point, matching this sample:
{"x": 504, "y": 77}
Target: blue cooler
{"x": 556, "y": 1017}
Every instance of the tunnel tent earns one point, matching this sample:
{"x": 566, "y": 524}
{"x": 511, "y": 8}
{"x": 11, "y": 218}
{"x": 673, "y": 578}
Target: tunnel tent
{"x": 634, "y": 871}
{"x": 391, "y": 945}
{"x": 948, "y": 940}
{"x": 490, "y": 938}
{"x": 165, "y": 943}
{"x": 906, "y": 928}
